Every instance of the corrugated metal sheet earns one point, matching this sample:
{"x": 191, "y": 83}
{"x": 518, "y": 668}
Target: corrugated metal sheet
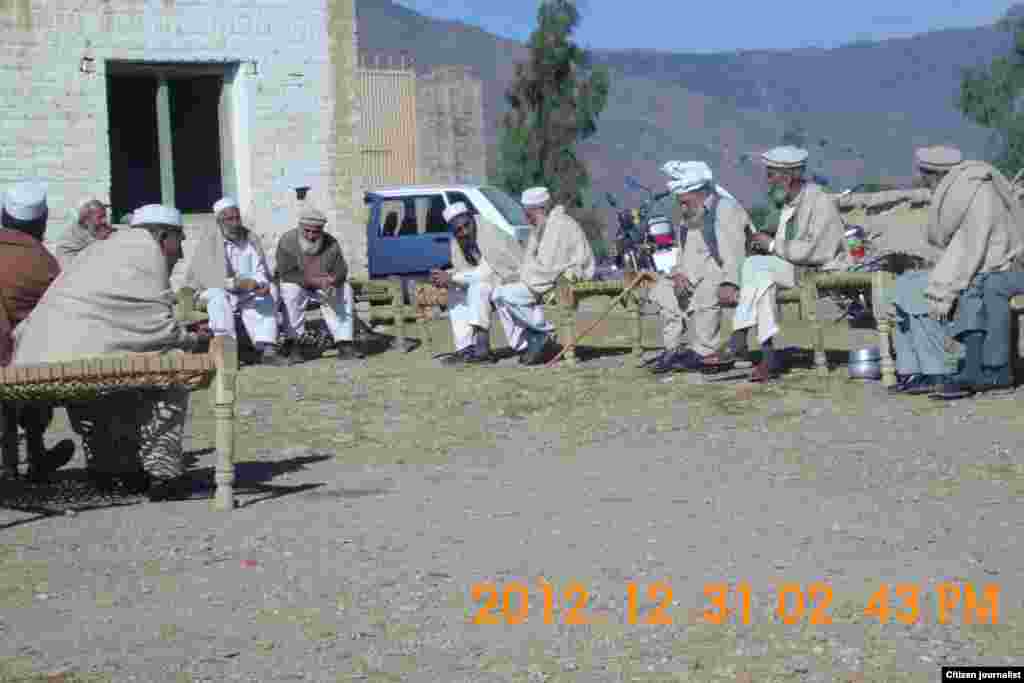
{"x": 388, "y": 126}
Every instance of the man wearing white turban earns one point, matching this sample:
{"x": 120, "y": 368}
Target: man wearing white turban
{"x": 229, "y": 272}
{"x": 706, "y": 277}
{"x": 810, "y": 233}
{"x": 483, "y": 257}
{"x": 117, "y": 299}
{"x": 557, "y": 247}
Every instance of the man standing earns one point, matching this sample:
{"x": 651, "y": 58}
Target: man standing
{"x": 707, "y": 275}
{"x": 92, "y": 225}
{"x": 482, "y": 258}
{"x": 810, "y": 234}
{"x": 117, "y": 299}
{"x": 311, "y": 267}
{"x": 26, "y": 271}
{"x": 556, "y": 247}
{"x": 229, "y": 272}
{"x": 976, "y": 219}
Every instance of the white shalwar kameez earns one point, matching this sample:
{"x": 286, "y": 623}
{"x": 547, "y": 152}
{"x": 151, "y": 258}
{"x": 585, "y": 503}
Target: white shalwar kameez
{"x": 259, "y": 312}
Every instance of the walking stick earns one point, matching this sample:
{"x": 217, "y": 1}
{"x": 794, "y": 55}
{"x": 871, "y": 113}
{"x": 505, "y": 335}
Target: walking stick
{"x": 640, "y": 277}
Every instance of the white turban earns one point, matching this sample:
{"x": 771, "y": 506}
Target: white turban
{"x": 156, "y": 214}
{"x": 25, "y": 201}
{"x": 225, "y": 203}
{"x": 535, "y": 196}
{"x": 688, "y": 176}
{"x": 456, "y": 209}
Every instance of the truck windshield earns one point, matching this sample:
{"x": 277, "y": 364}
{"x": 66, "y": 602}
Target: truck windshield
{"x": 509, "y": 208}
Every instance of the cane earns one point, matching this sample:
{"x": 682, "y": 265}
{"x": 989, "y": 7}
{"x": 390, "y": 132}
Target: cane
{"x": 641, "y": 277}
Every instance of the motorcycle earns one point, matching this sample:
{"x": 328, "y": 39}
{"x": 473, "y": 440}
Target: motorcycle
{"x": 635, "y": 244}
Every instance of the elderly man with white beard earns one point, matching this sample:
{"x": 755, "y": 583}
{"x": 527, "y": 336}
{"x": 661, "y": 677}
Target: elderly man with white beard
{"x": 311, "y": 268}
{"x": 91, "y": 226}
{"x": 229, "y": 271}
{"x": 557, "y": 247}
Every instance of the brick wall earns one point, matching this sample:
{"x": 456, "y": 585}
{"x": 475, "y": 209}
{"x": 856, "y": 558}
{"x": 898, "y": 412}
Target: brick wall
{"x": 450, "y": 127}
{"x": 296, "y": 110}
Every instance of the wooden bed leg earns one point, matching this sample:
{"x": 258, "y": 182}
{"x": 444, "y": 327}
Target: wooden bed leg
{"x": 881, "y": 289}
{"x": 570, "y": 330}
{"x": 638, "y": 321}
{"x": 225, "y": 355}
{"x": 809, "y": 304}
{"x": 398, "y": 309}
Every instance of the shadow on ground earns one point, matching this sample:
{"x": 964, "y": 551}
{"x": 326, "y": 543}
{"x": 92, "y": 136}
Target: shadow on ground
{"x": 71, "y": 490}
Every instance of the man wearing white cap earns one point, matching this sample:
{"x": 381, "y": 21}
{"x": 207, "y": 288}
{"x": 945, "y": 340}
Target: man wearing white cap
{"x": 810, "y": 233}
{"x": 707, "y": 275}
{"x": 117, "y": 298}
{"x": 91, "y": 225}
{"x": 482, "y": 258}
{"x": 229, "y": 271}
{"x": 27, "y": 270}
{"x": 310, "y": 266}
{"x": 978, "y": 223}
{"x": 557, "y": 247}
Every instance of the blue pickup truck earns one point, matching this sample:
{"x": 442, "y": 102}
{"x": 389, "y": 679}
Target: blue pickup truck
{"x": 406, "y": 233}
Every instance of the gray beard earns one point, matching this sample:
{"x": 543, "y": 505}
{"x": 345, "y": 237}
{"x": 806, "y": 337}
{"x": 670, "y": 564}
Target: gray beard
{"x": 309, "y": 248}
{"x": 235, "y": 236}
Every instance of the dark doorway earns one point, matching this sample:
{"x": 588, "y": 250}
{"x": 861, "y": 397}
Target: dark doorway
{"x": 195, "y": 142}
{"x": 134, "y": 144}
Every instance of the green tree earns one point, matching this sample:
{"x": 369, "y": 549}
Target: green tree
{"x": 991, "y": 97}
{"x": 554, "y": 103}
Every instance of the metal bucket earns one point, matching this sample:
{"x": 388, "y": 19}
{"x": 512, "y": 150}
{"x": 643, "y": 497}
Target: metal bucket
{"x": 866, "y": 363}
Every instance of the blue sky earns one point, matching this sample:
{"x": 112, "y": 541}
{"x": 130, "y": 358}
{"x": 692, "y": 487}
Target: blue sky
{"x": 710, "y": 26}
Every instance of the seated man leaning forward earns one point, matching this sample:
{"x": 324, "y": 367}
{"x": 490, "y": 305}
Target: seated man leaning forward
{"x": 483, "y": 258}
{"x": 118, "y": 299}
{"x": 311, "y": 268}
{"x": 706, "y": 277}
{"x": 978, "y": 223}
{"x": 556, "y": 247}
{"x": 27, "y": 269}
{"x": 810, "y": 233}
{"x": 229, "y": 272}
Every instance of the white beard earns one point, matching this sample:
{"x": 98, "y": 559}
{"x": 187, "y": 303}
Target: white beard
{"x": 309, "y": 248}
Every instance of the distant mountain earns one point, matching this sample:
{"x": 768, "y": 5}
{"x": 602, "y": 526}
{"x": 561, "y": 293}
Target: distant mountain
{"x": 863, "y": 107}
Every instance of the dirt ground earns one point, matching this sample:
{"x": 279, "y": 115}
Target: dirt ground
{"x": 374, "y": 495}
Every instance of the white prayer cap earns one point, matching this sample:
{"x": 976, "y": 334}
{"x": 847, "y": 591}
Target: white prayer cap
{"x": 25, "y": 201}
{"x": 785, "y": 157}
{"x": 939, "y": 159}
{"x": 224, "y": 203}
{"x": 156, "y": 214}
{"x": 535, "y": 196}
{"x": 688, "y": 176}
{"x": 456, "y": 209}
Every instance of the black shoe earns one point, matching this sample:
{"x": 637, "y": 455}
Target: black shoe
{"x": 924, "y": 384}
{"x": 41, "y": 466}
{"x": 952, "y": 391}
{"x": 349, "y": 351}
{"x": 166, "y": 489}
{"x": 666, "y": 361}
{"x": 903, "y": 383}
{"x": 687, "y": 361}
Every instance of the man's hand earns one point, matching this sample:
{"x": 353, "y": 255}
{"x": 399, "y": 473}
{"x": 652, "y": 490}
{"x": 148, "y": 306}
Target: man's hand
{"x": 325, "y": 282}
{"x": 681, "y": 282}
{"x": 728, "y": 295}
{"x": 441, "y": 279}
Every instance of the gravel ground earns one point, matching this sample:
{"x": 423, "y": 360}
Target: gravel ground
{"x": 337, "y": 567}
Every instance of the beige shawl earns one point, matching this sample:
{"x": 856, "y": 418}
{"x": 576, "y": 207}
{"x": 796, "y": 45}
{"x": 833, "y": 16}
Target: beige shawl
{"x": 976, "y": 220}
{"x": 502, "y": 253}
{"x": 562, "y": 248}
{"x": 818, "y": 229}
{"x": 117, "y": 298}
{"x": 208, "y": 268}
